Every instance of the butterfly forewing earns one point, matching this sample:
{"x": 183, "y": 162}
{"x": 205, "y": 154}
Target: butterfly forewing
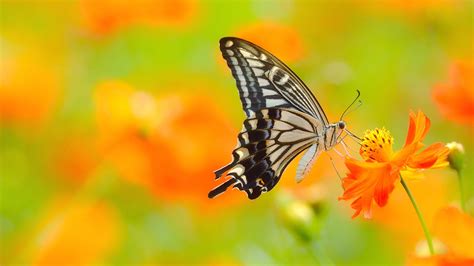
{"x": 264, "y": 81}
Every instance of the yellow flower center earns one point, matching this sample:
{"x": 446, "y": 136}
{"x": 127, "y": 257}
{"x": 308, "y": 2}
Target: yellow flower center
{"x": 377, "y": 145}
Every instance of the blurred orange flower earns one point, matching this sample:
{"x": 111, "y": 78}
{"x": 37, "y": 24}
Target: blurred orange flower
{"x": 75, "y": 157}
{"x": 29, "y": 88}
{"x": 455, "y": 230}
{"x": 170, "y": 144}
{"x": 76, "y": 233}
{"x": 140, "y": 160}
{"x": 116, "y": 109}
{"x": 455, "y": 98}
{"x": 281, "y": 40}
{"x": 128, "y": 121}
{"x": 107, "y": 16}
{"x": 374, "y": 178}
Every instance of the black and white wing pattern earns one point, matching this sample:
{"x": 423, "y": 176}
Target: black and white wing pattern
{"x": 265, "y": 82}
{"x": 283, "y": 119}
{"x": 269, "y": 140}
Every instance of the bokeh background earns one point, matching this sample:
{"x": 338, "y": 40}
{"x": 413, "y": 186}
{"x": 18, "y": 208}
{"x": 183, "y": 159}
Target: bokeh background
{"x": 114, "y": 115}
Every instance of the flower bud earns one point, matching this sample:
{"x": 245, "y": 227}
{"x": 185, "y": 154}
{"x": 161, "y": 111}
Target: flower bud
{"x": 456, "y": 155}
{"x": 299, "y": 217}
{"x": 302, "y": 218}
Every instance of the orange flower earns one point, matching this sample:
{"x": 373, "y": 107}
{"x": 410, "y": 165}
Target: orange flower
{"x": 161, "y": 143}
{"x": 455, "y": 231}
{"x": 29, "y": 87}
{"x": 196, "y": 148}
{"x": 107, "y": 16}
{"x": 69, "y": 159}
{"x": 455, "y": 98}
{"x": 76, "y": 233}
{"x": 281, "y": 40}
{"x": 128, "y": 122}
{"x": 374, "y": 178}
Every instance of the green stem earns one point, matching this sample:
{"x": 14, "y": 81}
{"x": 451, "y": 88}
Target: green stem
{"x": 420, "y": 217}
{"x": 461, "y": 190}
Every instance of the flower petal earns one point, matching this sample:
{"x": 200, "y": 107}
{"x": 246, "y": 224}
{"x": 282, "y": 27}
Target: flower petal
{"x": 410, "y": 174}
{"x": 401, "y": 157}
{"x": 419, "y": 126}
{"x": 384, "y": 187}
{"x": 455, "y": 97}
{"x": 367, "y": 181}
{"x": 456, "y": 230}
{"x": 435, "y": 154}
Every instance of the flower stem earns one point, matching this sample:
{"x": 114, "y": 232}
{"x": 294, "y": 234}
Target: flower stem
{"x": 461, "y": 191}
{"x": 420, "y": 217}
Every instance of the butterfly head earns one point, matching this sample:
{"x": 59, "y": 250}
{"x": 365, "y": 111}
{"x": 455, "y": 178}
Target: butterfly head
{"x": 341, "y": 125}
{"x": 334, "y": 132}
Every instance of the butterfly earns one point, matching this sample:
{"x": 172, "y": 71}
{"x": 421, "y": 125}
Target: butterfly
{"x": 283, "y": 119}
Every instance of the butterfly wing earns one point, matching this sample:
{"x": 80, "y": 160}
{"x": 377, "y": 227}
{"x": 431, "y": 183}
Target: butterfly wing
{"x": 266, "y": 82}
{"x": 269, "y": 140}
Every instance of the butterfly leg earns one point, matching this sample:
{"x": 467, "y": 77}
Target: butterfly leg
{"x": 338, "y": 152}
{"x": 344, "y": 145}
{"x": 334, "y": 166}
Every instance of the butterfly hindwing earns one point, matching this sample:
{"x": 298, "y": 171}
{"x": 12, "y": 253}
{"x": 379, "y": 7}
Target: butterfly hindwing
{"x": 269, "y": 140}
{"x": 266, "y": 82}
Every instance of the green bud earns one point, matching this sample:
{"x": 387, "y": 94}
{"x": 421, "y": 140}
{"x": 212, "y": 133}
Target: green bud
{"x": 299, "y": 218}
{"x": 456, "y": 155}
{"x": 302, "y": 218}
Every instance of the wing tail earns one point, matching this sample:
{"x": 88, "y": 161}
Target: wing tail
{"x": 221, "y": 188}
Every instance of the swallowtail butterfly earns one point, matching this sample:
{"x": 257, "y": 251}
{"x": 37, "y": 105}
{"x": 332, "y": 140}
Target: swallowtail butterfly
{"x": 283, "y": 119}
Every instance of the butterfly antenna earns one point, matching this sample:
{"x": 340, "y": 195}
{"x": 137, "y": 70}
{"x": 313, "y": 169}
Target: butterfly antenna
{"x": 359, "y": 104}
{"x": 348, "y": 107}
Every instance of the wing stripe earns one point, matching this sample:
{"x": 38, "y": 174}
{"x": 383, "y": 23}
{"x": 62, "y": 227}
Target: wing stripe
{"x": 291, "y": 93}
{"x": 249, "y": 73}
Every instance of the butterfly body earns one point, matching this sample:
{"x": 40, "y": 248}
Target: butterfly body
{"x": 283, "y": 120}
